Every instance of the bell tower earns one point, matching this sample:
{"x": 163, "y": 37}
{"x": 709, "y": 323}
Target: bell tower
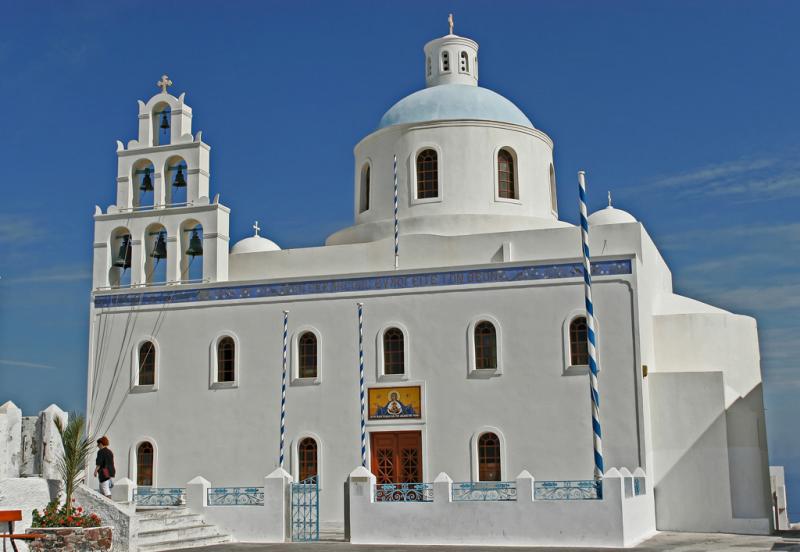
{"x": 163, "y": 228}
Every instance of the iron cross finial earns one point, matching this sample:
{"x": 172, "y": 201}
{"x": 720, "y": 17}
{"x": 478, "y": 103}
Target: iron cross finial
{"x": 450, "y": 22}
{"x": 164, "y": 83}
{"x": 256, "y": 227}
{"x": 609, "y": 198}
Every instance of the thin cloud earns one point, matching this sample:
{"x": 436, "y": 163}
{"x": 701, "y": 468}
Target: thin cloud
{"x": 25, "y": 364}
{"x": 742, "y": 180}
{"x": 16, "y": 229}
{"x": 758, "y": 298}
{"x": 57, "y": 274}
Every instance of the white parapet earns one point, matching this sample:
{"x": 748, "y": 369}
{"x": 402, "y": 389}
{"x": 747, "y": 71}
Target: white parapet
{"x": 10, "y": 440}
{"x": 503, "y": 513}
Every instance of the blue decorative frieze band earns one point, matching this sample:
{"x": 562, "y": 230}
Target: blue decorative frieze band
{"x": 365, "y": 284}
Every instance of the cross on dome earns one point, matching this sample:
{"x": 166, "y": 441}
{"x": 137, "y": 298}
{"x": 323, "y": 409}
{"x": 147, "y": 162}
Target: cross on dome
{"x": 256, "y": 227}
{"x": 164, "y": 83}
{"x": 609, "y": 198}
{"x": 451, "y": 22}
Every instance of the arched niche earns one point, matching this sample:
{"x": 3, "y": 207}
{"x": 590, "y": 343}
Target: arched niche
{"x": 120, "y": 257}
{"x": 155, "y": 248}
{"x": 176, "y": 180}
{"x": 191, "y": 250}
{"x": 161, "y": 121}
{"x": 143, "y": 181}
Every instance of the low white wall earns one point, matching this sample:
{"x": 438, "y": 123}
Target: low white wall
{"x": 120, "y": 517}
{"x": 25, "y": 494}
{"x": 262, "y": 523}
{"x": 614, "y": 521}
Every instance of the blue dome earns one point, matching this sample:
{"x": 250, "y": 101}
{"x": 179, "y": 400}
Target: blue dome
{"x": 454, "y": 101}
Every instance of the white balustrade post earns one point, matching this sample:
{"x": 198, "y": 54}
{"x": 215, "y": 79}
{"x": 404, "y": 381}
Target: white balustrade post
{"x": 525, "y": 483}
{"x": 362, "y": 485}
{"x": 613, "y": 486}
{"x": 442, "y": 488}
{"x": 123, "y": 491}
{"x": 627, "y": 482}
{"x": 197, "y": 494}
{"x": 277, "y": 496}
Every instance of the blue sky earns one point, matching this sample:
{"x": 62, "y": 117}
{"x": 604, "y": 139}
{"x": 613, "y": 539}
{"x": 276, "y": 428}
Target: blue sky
{"x": 687, "y": 111}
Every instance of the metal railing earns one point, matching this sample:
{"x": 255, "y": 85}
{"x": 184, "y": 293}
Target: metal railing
{"x": 153, "y": 284}
{"x": 639, "y": 487}
{"x": 485, "y": 491}
{"x": 568, "y": 490}
{"x": 236, "y": 496}
{"x": 404, "y": 492}
{"x": 154, "y": 207}
{"x": 159, "y": 496}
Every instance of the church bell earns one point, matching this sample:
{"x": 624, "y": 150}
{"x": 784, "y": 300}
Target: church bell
{"x": 147, "y": 182}
{"x": 123, "y": 258}
{"x": 195, "y": 245}
{"x": 180, "y": 181}
{"x": 160, "y": 249}
{"x": 164, "y": 122}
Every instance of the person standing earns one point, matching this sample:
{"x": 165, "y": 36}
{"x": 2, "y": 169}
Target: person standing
{"x": 104, "y": 466}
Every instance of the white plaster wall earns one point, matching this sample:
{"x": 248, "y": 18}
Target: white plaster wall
{"x": 524, "y": 522}
{"x": 230, "y": 436}
{"x": 692, "y": 465}
{"x": 121, "y": 517}
{"x": 25, "y": 494}
{"x": 467, "y": 179}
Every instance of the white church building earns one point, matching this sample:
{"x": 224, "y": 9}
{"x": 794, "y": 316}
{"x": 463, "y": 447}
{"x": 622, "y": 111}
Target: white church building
{"x": 473, "y": 331}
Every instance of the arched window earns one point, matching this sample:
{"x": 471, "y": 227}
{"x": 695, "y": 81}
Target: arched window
{"x": 307, "y": 459}
{"x": 464, "y": 63}
{"x": 226, "y": 351}
{"x": 579, "y": 342}
{"x": 489, "y": 457}
{"x": 147, "y": 363}
{"x": 445, "y": 62}
{"x": 506, "y": 186}
{"x": 307, "y": 352}
{"x": 144, "y": 465}
{"x": 553, "y": 200}
{"x": 162, "y": 123}
{"x": 393, "y": 352}
{"x": 427, "y": 174}
{"x": 485, "y": 346}
{"x": 365, "y": 181}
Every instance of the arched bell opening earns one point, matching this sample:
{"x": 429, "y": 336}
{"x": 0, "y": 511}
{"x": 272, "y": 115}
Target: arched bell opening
{"x": 176, "y": 179}
{"x": 162, "y": 124}
{"x": 143, "y": 179}
{"x": 121, "y": 256}
{"x": 191, "y": 250}
{"x": 155, "y": 264}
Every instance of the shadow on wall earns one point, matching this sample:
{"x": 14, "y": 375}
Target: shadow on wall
{"x": 710, "y": 467}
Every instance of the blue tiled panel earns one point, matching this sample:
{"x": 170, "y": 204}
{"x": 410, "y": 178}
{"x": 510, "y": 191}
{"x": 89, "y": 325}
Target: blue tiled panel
{"x": 365, "y": 283}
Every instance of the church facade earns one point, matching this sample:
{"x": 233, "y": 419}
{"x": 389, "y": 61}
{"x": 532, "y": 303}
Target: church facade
{"x": 452, "y": 309}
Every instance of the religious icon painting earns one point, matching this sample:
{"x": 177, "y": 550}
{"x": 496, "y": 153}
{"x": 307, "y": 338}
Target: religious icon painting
{"x": 392, "y": 403}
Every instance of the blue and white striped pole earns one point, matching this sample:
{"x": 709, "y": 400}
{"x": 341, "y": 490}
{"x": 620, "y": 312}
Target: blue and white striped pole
{"x": 361, "y": 379}
{"x": 396, "y": 226}
{"x": 592, "y": 341}
{"x": 283, "y": 385}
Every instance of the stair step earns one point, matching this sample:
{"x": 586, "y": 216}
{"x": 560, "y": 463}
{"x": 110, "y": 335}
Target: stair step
{"x": 189, "y": 532}
{"x": 161, "y": 512}
{"x": 169, "y": 522}
{"x": 184, "y": 543}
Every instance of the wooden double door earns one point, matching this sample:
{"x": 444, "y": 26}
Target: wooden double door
{"x": 397, "y": 456}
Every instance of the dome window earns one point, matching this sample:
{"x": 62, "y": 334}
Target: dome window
{"x": 430, "y": 67}
{"x": 445, "y": 62}
{"x": 463, "y": 65}
{"x": 506, "y": 181}
{"x": 365, "y": 178}
{"x": 427, "y": 174}
{"x": 553, "y": 201}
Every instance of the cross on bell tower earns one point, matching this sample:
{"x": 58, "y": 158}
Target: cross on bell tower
{"x": 164, "y": 83}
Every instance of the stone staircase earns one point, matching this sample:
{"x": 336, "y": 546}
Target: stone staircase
{"x": 173, "y": 528}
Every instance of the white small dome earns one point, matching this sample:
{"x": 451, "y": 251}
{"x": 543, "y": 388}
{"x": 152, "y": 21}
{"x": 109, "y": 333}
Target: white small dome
{"x": 610, "y": 215}
{"x": 254, "y": 244}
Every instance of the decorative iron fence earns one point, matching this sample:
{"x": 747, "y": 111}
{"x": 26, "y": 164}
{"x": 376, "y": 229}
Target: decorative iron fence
{"x": 159, "y": 496}
{"x": 305, "y": 510}
{"x": 568, "y": 490}
{"x": 639, "y": 487}
{"x": 485, "y": 491}
{"x": 404, "y": 492}
{"x": 236, "y": 496}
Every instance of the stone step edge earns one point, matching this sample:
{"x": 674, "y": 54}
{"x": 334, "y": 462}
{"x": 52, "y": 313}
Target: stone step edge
{"x": 152, "y": 532}
{"x": 217, "y": 539}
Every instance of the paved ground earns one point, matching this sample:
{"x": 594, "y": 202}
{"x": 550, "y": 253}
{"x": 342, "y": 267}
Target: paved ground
{"x": 667, "y": 541}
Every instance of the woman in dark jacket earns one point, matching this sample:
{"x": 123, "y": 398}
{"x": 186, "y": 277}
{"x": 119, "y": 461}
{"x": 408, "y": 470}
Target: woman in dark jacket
{"x": 104, "y": 466}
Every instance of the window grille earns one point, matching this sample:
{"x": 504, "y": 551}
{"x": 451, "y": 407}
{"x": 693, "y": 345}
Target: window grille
{"x": 489, "y": 457}
{"x": 307, "y": 458}
{"x": 485, "y": 346}
{"x": 147, "y": 364}
{"x": 226, "y": 351}
{"x": 144, "y": 465}
{"x": 505, "y": 175}
{"x": 579, "y": 342}
{"x": 307, "y": 349}
{"x": 393, "y": 352}
{"x": 427, "y": 174}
